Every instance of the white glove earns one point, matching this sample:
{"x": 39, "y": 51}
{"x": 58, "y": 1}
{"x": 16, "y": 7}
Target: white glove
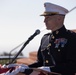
{"x": 45, "y": 68}
{"x": 10, "y": 65}
{"x": 14, "y": 65}
{"x": 14, "y": 72}
{"x": 20, "y": 68}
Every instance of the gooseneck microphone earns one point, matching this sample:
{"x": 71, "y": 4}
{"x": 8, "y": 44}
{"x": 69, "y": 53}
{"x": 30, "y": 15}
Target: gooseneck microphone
{"x": 36, "y": 33}
{"x": 29, "y": 39}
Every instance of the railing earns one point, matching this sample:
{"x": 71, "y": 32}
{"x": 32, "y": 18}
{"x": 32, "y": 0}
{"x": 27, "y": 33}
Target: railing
{"x": 5, "y": 59}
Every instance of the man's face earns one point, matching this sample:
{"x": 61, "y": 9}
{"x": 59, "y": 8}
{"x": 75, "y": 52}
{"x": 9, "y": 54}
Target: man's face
{"x": 50, "y": 22}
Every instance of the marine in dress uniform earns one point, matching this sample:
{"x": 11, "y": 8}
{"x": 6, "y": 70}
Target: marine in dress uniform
{"x": 58, "y": 48}
{"x": 62, "y": 49}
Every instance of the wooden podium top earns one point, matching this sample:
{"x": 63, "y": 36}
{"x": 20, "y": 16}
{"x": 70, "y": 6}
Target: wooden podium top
{"x": 47, "y": 73}
{"x": 40, "y": 72}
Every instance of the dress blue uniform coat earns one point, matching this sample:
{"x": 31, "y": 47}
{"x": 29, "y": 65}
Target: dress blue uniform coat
{"x": 58, "y": 51}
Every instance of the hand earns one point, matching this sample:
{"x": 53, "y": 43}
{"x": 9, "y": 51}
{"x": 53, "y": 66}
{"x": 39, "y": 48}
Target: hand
{"x": 14, "y": 65}
{"x": 45, "y": 68}
{"x": 14, "y": 72}
{"x": 10, "y": 65}
{"x": 22, "y": 68}
{"x": 19, "y": 68}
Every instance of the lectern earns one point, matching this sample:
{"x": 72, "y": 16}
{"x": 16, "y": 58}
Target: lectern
{"x": 40, "y": 72}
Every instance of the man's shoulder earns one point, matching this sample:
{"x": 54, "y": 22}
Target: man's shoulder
{"x": 72, "y": 33}
{"x": 46, "y": 35}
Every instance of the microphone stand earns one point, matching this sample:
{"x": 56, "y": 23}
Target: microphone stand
{"x": 29, "y": 39}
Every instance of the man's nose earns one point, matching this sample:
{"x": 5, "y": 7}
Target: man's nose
{"x": 44, "y": 20}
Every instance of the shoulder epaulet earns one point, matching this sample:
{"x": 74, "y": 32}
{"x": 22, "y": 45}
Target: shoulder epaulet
{"x": 72, "y": 33}
{"x": 45, "y": 36}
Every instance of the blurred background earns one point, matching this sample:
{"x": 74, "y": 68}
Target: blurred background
{"x": 19, "y": 19}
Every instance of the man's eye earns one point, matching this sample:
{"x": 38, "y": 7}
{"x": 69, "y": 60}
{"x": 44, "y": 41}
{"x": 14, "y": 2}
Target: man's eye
{"x": 49, "y": 18}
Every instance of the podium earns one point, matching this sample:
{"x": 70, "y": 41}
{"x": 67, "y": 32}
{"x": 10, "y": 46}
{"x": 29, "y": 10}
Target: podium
{"x": 40, "y": 72}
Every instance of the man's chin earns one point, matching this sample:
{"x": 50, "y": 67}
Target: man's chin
{"x": 48, "y": 28}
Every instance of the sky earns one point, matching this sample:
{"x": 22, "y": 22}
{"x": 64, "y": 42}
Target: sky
{"x": 19, "y": 19}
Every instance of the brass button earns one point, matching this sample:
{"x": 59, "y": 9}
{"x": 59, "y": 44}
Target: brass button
{"x": 48, "y": 53}
{"x": 53, "y": 37}
{"x": 47, "y": 61}
{"x": 49, "y": 45}
{"x": 57, "y": 32}
{"x": 58, "y": 50}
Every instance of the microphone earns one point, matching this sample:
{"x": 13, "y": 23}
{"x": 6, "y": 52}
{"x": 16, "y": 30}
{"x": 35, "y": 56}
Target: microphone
{"x": 24, "y": 45}
{"x": 29, "y": 39}
{"x": 36, "y": 33}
